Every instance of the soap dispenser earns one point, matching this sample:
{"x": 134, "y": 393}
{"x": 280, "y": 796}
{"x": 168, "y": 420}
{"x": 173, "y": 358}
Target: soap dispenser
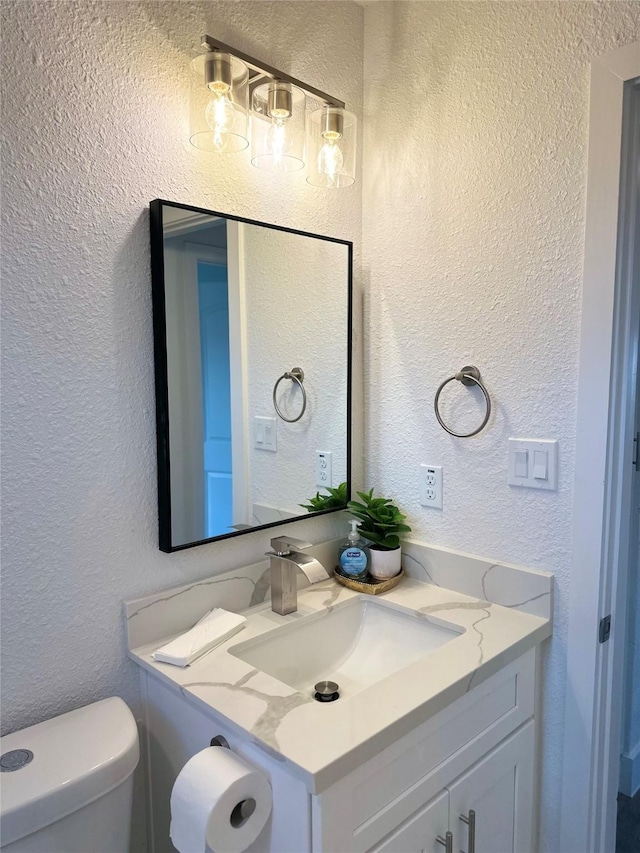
{"x": 354, "y": 557}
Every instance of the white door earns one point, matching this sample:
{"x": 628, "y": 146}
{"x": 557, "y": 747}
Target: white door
{"x": 499, "y": 788}
{"x": 418, "y": 834}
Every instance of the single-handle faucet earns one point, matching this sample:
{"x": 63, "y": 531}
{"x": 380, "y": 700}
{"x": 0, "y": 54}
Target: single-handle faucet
{"x": 284, "y": 562}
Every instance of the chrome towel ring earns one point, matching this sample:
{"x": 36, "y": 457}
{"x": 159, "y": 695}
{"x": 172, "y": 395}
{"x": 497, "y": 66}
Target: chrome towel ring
{"x": 296, "y": 375}
{"x": 469, "y": 375}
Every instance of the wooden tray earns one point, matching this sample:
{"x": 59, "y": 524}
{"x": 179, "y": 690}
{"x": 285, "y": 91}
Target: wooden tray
{"x": 370, "y": 586}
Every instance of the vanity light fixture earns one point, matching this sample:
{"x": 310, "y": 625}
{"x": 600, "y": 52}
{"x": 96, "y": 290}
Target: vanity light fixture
{"x": 332, "y": 148}
{"x": 278, "y": 113}
{"x": 219, "y": 103}
{"x": 225, "y": 79}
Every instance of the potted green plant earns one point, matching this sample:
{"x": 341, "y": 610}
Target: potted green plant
{"x": 335, "y": 499}
{"x": 381, "y": 523}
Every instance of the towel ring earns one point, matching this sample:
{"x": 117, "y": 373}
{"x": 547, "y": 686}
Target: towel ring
{"x": 469, "y": 375}
{"x": 296, "y": 375}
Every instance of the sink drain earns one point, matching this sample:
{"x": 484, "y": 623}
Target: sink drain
{"x": 326, "y": 691}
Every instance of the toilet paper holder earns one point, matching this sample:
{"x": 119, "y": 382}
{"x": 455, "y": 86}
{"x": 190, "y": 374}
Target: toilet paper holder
{"x": 243, "y": 810}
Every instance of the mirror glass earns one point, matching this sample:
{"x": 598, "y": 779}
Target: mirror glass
{"x": 253, "y": 366}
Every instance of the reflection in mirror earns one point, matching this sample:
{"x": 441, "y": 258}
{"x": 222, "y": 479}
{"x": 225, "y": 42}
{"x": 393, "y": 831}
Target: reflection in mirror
{"x": 251, "y": 328}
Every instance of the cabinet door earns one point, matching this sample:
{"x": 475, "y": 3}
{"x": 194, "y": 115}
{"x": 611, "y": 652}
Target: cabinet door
{"x": 499, "y": 788}
{"x": 418, "y": 834}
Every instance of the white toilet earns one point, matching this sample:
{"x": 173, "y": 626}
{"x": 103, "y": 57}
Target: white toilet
{"x": 66, "y": 784}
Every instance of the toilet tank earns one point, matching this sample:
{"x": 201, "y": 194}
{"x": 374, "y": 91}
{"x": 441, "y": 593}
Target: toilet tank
{"x": 73, "y": 792}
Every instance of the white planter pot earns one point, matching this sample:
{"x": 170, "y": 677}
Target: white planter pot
{"x": 384, "y": 564}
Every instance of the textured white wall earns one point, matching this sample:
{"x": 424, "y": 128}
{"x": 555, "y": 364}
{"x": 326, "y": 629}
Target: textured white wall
{"x": 296, "y": 309}
{"x": 475, "y": 174}
{"x": 95, "y": 114}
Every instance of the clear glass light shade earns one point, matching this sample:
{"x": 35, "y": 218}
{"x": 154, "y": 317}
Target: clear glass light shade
{"x": 277, "y": 127}
{"x": 331, "y": 148}
{"x": 219, "y": 103}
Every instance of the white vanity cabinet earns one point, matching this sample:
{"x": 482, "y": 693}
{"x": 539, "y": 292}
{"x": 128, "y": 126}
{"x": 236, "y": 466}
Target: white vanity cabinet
{"x": 476, "y": 753}
{"x": 420, "y": 832}
{"x": 498, "y": 790}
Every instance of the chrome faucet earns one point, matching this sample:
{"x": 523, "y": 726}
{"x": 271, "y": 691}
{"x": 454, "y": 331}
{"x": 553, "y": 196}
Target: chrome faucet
{"x": 284, "y": 562}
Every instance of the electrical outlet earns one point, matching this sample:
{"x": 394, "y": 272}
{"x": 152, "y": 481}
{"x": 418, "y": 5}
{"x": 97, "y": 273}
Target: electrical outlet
{"x": 323, "y": 468}
{"x": 431, "y": 486}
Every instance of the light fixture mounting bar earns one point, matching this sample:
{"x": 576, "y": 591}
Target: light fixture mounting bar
{"x": 261, "y": 70}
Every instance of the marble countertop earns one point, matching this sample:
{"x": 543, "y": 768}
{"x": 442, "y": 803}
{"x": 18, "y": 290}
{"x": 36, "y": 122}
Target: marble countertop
{"x": 323, "y": 742}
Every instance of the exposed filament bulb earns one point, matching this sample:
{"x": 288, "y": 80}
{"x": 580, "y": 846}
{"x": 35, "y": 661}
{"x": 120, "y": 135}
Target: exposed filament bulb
{"x": 330, "y": 158}
{"x": 220, "y": 116}
{"x": 278, "y": 140}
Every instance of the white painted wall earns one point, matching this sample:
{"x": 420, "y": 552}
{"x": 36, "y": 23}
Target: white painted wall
{"x": 475, "y": 176}
{"x": 296, "y": 310}
{"x": 95, "y": 115}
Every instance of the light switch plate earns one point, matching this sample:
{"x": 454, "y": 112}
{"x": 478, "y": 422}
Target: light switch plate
{"x": 265, "y": 433}
{"x": 533, "y": 463}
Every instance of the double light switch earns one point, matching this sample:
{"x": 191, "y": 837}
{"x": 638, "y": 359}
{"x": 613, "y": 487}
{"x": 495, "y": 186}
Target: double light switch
{"x": 533, "y": 463}
{"x": 265, "y": 436}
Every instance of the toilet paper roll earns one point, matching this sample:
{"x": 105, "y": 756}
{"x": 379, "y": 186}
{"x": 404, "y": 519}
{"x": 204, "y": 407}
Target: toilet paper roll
{"x": 218, "y": 800}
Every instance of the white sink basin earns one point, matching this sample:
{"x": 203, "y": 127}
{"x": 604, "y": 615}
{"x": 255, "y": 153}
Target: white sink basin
{"x": 356, "y": 644}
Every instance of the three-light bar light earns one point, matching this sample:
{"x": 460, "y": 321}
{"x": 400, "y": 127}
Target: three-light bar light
{"x": 237, "y": 100}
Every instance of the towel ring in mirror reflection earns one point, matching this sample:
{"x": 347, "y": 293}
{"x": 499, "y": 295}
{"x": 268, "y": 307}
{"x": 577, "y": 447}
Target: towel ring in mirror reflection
{"x": 469, "y": 375}
{"x": 296, "y": 375}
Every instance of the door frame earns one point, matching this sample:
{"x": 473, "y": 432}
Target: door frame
{"x": 194, "y": 253}
{"x": 232, "y": 258}
{"x": 602, "y": 474}
{"x": 240, "y": 435}
{"x": 630, "y": 266}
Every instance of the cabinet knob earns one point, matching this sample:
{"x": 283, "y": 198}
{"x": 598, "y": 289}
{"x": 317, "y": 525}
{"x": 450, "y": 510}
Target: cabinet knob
{"x": 447, "y": 842}
{"x": 470, "y": 821}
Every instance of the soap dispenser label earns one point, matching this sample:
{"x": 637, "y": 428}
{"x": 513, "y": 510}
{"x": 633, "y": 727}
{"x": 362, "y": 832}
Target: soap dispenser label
{"x": 353, "y": 561}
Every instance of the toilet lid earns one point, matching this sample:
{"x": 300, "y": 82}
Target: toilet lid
{"x": 76, "y": 758}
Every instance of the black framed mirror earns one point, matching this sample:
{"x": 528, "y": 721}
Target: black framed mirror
{"x": 252, "y": 342}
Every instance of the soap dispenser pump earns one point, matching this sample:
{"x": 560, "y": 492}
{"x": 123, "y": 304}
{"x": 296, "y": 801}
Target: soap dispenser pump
{"x": 354, "y": 557}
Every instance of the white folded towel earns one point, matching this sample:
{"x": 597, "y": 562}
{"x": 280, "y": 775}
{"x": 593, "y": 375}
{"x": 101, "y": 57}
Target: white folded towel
{"x": 214, "y": 628}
